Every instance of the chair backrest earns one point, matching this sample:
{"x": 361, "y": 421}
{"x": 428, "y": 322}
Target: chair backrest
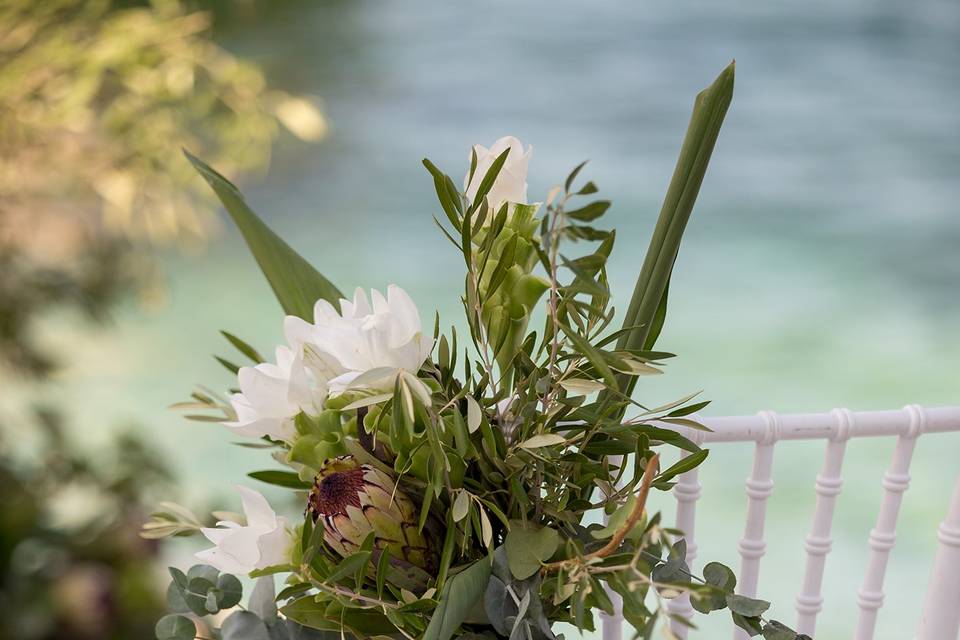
{"x": 940, "y": 618}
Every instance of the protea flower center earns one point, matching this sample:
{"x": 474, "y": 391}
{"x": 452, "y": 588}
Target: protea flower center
{"x": 352, "y": 499}
{"x": 332, "y": 494}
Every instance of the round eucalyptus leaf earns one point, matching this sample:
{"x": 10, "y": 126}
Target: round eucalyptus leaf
{"x": 210, "y": 602}
{"x": 495, "y": 601}
{"x": 775, "y": 630}
{"x": 747, "y": 607}
{"x": 175, "y": 601}
{"x": 195, "y": 595}
{"x": 229, "y": 591}
{"x": 720, "y": 576}
{"x": 243, "y": 625}
{"x": 708, "y": 598}
{"x": 175, "y": 627}
{"x": 204, "y": 571}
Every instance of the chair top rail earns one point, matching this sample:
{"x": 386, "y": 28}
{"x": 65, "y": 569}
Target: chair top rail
{"x": 839, "y": 424}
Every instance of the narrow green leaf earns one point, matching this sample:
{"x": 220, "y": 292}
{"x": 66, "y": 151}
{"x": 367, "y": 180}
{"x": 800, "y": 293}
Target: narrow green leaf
{"x": 591, "y": 354}
{"x": 460, "y": 595}
{"x": 229, "y": 366}
{"x": 659, "y": 317}
{"x": 447, "y": 200}
{"x": 350, "y": 566}
{"x": 280, "y": 478}
{"x": 573, "y": 175}
{"x": 590, "y": 212}
{"x": 709, "y": 110}
{"x": 685, "y": 464}
{"x": 243, "y": 347}
{"x": 295, "y": 282}
{"x": 488, "y": 180}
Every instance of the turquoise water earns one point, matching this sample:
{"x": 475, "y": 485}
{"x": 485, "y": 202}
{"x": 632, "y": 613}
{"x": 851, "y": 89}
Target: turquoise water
{"x": 820, "y": 268}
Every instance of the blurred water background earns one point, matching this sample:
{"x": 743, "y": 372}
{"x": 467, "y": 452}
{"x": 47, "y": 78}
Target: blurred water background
{"x": 820, "y": 268}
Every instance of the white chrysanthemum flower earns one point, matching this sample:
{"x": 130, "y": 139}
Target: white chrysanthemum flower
{"x": 265, "y": 541}
{"x": 378, "y": 340}
{"x": 271, "y": 396}
{"x": 511, "y": 182}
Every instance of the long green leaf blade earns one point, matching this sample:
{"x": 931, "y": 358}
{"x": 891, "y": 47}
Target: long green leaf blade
{"x": 709, "y": 110}
{"x": 296, "y": 283}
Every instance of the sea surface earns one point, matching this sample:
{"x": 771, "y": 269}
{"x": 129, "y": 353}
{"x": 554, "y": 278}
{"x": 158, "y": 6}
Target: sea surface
{"x": 821, "y": 267}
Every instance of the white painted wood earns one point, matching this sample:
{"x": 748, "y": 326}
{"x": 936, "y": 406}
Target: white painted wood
{"x": 752, "y": 546}
{"x": 941, "y": 614}
{"x": 687, "y": 492}
{"x": 818, "y": 541}
{"x": 941, "y": 611}
{"x": 896, "y": 480}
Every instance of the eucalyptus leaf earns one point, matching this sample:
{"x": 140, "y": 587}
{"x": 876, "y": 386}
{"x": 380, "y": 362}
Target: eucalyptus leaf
{"x": 747, "y": 607}
{"x": 775, "y": 630}
{"x": 262, "y": 599}
{"x": 243, "y": 625}
{"x": 175, "y": 627}
{"x": 528, "y": 547}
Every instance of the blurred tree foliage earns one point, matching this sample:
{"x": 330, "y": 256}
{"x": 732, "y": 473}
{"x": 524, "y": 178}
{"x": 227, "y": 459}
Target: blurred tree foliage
{"x": 97, "y": 97}
{"x": 71, "y": 562}
{"x": 96, "y": 101}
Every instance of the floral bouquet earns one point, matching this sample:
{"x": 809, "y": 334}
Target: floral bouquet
{"x": 481, "y": 486}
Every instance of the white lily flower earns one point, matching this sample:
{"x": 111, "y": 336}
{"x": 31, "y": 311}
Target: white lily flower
{"x": 511, "y": 182}
{"x": 271, "y": 396}
{"x": 265, "y": 541}
{"x": 363, "y": 346}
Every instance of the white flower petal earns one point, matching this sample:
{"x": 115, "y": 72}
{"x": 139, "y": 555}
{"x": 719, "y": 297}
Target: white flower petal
{"x": 264, "y": 541}
{"x": 511, "y": 182}
{"x": 259, "y": 513}
{"x": 222, "y": 561}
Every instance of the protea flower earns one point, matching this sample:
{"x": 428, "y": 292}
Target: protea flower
{"x": 353, "y": 499}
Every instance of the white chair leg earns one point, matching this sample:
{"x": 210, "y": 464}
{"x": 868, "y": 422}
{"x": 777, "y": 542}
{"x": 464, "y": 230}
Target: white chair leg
{"x": 687, "y": 492}
{"x": 819, "y": 542}
{"x": 759, "y": 487}
{"x": 896, "y": 480}
{"x": 941, "y": 610}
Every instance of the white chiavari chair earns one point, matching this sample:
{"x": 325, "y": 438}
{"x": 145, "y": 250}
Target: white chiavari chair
{"x": 940, "y": 616}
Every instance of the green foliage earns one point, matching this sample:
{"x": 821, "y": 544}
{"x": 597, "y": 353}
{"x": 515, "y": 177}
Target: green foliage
{"x": 280, "y": 478}
{"x": 459, "y": 597}
{"x": 648, "y": 304}
{"x": 95, "y": 546}
{"x": 469, "y": 483}
{"x": 203, "y": 591}
{"x": 528, "y": 548}
{"x": 175, "y": 627}
{"x": 295, "y": 282}
{"x": 93, "y": 95}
